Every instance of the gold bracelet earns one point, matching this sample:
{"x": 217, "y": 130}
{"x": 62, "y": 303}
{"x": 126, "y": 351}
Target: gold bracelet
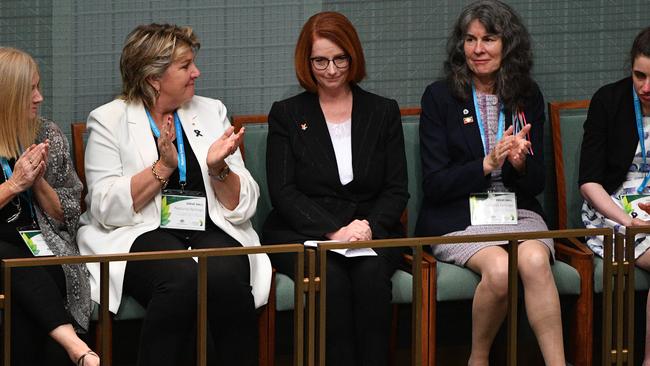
{"x": 221, "y": 176}
{"x": 163, "y": 181}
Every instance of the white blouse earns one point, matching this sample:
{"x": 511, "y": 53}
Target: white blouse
{"x": 341, "y": 135}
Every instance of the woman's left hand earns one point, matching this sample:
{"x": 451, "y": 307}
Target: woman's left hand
{"x": 519, "y": 149}
{"x": 225, "y": 145}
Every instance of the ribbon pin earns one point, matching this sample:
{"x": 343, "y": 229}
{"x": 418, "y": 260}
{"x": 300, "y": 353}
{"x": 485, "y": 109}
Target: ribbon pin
{"x": 303, "y": 126}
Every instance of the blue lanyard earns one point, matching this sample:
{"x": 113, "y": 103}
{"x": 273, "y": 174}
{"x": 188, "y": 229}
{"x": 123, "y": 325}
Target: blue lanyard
{"x": 481, "y": 128}
{"x": 182, "y": 167}
{"x": 639, "y": 129}
{"x": 28, "y": 193}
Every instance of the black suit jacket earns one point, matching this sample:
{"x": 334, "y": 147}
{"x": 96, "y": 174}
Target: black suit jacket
{"x": 306, "y": 193}
{"x": 452, "y": 160}
{"x": 610, "y": 136}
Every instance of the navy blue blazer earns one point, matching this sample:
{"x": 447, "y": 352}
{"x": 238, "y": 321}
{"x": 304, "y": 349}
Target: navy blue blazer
{"x": 306, "y": 192}
{"x": 452, "y": 160}
{"x": 610, "y": 136}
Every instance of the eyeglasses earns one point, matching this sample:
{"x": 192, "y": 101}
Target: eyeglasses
{"x": 322, "y": 63}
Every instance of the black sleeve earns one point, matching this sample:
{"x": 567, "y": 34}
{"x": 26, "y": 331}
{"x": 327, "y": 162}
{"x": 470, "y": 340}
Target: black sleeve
{"x": 390, "y": 203}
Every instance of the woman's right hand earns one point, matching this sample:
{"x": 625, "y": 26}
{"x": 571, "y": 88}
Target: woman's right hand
{"x": 168, "y": 156}
{"x": 638, "y": 222}
{"x": 497, "y": 156}
{"x": 357, "y": 230}
{"x": 29, "y": 167}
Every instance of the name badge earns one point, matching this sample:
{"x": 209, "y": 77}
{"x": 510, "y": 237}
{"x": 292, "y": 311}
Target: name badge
{"x": 33, "y": 238}
{"x": 493, "y": 208}
{"x": 183, "y": 210}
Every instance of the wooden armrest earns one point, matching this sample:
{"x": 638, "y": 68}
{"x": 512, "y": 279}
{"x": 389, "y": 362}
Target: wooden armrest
{"x": 428, "y": 261}
{"x": 571, "y": 249}
{"x": 2, "y": 301}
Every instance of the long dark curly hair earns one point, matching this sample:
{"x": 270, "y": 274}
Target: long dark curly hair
{"x": 513, "y": 82}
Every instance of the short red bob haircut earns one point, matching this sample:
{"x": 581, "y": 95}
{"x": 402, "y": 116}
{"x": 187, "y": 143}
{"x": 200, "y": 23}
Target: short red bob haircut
{"x": 338, "y": 29}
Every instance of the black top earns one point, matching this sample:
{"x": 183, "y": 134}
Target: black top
{"x": 610, "y": 136}
{"x": 452, "y": 155}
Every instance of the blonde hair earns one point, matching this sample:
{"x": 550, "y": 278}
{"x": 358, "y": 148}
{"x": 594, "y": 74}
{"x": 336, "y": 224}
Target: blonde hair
{"x": 147, "y": 53}
{"x": 17, "y": 129}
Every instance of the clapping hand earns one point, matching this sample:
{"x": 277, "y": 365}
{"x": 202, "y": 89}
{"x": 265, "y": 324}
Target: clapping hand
{"x": 519, "y": 148}
{"x": 494, "y": 160}
{"x": 29, "y": 167}
{"x": 168, "y": 156}
{"x": 225, "y": 145}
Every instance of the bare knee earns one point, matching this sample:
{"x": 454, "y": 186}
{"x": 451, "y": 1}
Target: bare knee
{"x": 534, "y": 262}
{"x": 495, "y": 278}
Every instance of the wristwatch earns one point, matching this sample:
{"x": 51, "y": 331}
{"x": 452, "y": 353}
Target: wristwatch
{"x": 222, "y": 175}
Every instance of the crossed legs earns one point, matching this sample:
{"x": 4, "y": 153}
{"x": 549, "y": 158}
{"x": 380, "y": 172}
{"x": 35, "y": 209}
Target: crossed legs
{"x": 540, "y": 296}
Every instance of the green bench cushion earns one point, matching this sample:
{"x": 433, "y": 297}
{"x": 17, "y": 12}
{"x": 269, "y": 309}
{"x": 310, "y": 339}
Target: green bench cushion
{"x": 458, "y": 283}
{"x": 641, "y": 277}
{"x": 402, "y": 290}
{"x": 129, "y": 309}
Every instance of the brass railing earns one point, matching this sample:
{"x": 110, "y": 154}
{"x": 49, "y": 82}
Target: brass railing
{"x": 416, "y": 244}
{"x": 201, "y": 254}
{"x": 618, "y": 298}
{"x": 618, "y": 285}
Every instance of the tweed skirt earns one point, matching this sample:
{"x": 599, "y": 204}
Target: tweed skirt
{"x": 459, "y": 254}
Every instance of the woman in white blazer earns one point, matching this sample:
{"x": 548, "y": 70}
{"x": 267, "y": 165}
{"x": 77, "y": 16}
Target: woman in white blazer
{"x": 155, "y": 158}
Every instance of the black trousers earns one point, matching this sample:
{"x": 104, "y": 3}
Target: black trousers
{"x": 169, "y": 290}
{"x": 359, "y": 293}
{"x": 37, "y": 299}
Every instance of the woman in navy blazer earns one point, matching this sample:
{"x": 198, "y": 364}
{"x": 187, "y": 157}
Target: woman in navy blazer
{"x": 336, "y": 169}
{"x": 481, "y": 130}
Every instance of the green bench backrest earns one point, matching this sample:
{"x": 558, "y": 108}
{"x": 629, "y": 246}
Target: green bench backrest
{"x": 566, "y": 125}
{"x": 255, "y": 155}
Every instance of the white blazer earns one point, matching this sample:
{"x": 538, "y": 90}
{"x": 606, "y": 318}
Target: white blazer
{"x": 120, "y": 145}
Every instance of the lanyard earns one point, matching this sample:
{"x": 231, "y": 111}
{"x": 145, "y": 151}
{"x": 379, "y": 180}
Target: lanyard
{"x": 639, "y": 129}
{"x": 6, "y": 169}
{"x": 182, "y": 167}
{"x": 481, "y": 128}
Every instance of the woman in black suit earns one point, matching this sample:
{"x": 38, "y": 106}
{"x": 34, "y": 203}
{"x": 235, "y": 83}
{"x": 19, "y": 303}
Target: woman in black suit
{"x": 481, "y": 131}
{"x": 336, "y": 170}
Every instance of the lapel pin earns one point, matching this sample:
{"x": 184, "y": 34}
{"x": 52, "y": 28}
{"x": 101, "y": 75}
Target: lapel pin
{"x": 465, "y": 111}
{"x": 303, "y": 126}
{"x": 468, "y": 120}
{"x": 198, "y": 133}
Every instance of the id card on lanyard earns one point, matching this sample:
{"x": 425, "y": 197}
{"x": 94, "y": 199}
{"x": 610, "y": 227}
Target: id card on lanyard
{"x": 639, "y": 129}
{"x": 180, "y": 209}
{"x": 31, "y": 235}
